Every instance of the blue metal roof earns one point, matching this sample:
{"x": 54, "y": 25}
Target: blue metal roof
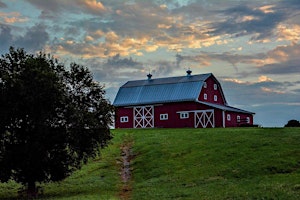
{"x": 161, "y": 90}
{"x": 225, "y": 107}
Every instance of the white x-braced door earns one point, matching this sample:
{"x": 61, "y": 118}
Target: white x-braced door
{"x": 204, "y": 118}
{"x": 143, "y": 117}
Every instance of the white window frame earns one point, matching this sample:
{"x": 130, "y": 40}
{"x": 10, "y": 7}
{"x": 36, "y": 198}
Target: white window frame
{"x": 205, "y": 96}
{"x": 238, "y": 118}
{"x": 205, "y": 85}
{"x": 164, "y": 116}
{"x": 215, "y": 98}
{"x": 215, "y": 86}
{"x": 228, "y": 117}
{"x": 184, "y": 115}
{"x": 124, "y": 119}
{"x": 248, "y": 120}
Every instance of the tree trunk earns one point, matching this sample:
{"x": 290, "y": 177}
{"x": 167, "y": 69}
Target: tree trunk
{"x": 31, "y": 190}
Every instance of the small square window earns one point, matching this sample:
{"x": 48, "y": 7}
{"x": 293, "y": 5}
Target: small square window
{"x": 205, "y": 85}
{"x": 124, "y": 119}
{"x": 215, "y": 87}
{"x": 228, "y": 117}
{"x": 205, "y": 96}
{"x": 163, "y": 116}
{"x": 215, "y": 98}
{"x": 184, "y": 115}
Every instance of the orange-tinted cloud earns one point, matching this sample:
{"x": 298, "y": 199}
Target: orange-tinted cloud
{"x": 12, "y": 17}
{"x": 289, "y": 32}
{"x": 270, "y": 90}
{"x": 91, "y": 6}
{"x": 267, "y": 8}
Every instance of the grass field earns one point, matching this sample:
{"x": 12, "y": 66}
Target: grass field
{"x": 231, "y": 163}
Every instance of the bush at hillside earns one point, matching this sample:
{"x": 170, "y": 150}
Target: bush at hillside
{"x": 293, "y": 123}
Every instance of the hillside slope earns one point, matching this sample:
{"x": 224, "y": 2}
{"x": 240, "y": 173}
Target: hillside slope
{"x": 237, "y": 163}
{"x": 216, "y": 163}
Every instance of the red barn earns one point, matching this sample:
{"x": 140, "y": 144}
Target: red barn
{"x": 175, "y": 102}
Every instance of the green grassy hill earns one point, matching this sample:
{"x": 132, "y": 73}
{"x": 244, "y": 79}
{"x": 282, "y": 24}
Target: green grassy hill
{"x": 247, "y": 163}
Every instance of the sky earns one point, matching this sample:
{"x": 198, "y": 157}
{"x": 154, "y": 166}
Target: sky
{"x": 251, "y": 47}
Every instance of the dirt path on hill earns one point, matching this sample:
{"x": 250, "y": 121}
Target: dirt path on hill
{"x": 126, "y": 170}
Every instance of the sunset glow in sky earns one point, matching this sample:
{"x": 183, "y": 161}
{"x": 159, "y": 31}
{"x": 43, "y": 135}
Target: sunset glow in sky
{"x": 252, "y": 47}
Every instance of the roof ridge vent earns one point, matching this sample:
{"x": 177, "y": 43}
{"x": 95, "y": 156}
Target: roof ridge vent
{"x": 188, "y": 72}
{"x": 149, "y": 76}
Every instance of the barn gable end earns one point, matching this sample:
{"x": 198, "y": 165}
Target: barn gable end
{"x": 187, "y": 101}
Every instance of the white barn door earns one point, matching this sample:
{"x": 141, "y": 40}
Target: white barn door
{"x": 204, "y": 118}
{"x": 143, "y": 117}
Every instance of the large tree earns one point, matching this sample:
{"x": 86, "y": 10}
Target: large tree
{"x": 52, "y": 119}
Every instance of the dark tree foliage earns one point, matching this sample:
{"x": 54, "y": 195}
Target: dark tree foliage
{"x": 292, "y": 123}
{"x": 52, "y": 120}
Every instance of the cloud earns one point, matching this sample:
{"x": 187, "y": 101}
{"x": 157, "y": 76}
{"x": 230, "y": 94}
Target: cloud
{"x": 135, "y": 28}
{"x": 33, "y": 40}
{"x": 288, "y": 67}
{"x": 6, "y": 37}
{"x": 207, "y": 58}
{"x": 280, "y": 60}
{"x": 12, "y": 17}
{"x": 117, "y": 69}
{"x": 264, "y": 79}
{"x": 2, "y": 5}
{"x": 118, "y": 62}
{"x": 92, "y": 5}
{"x": 51, "y": 6}
{"x": 50, "y": 9}
{"x": 285, "y": 60}
{"x": 163, "y": 69}
{"x": 285, "y": 52}
{"x": 139, "y": 27}
{"x": 265, "y": 97}
{"x": 179, "y": 58}
{"x": 263, "y": 90}
{"x": 289, "y": 5}
{"x": 258, "y": 93}
{"x": 243, "y": 20}
{"x": 288, "y": 32}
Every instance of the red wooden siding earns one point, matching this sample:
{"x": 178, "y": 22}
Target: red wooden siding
{"x": 174, "y": 120}
{"x": 234, "y": 122}
{"x": 211, "y": 92}
{"x": 218, "y": 118}
{"x": 123, "y": 112}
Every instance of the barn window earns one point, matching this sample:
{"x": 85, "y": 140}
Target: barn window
{"x": 164, "y": 116}
{"x": 215, "y": 98}
{"x": 184, "y": 115}
{"x": 238, "y": 118}
{"x": 248, "y": 120}
{"x": 124, "y": 119}
{"x": 205, "y": 96}
{"x": 205, "y": 85}
{"x": 215, "y": 87}
{"x": 228, "y": 117}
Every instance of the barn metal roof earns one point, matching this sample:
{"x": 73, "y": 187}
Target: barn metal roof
{"x": 225, "y": 107}
{"x": 161, "y": 90}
